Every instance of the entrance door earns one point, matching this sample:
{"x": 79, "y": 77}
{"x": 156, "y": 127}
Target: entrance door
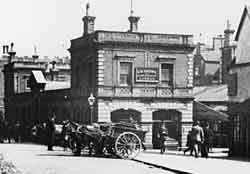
{"x": 171, "y": 119}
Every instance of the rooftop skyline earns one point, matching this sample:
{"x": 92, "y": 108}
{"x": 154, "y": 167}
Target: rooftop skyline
{"x": 51, "y": 24}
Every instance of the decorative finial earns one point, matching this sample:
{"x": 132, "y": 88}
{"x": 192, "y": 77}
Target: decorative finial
{"x": 87, "y": 9}
{"x": 11, "y": 46}
{"x": 35, "y": 49}
{"x": 228, "y": 25}
{"x": 131, "y": 8}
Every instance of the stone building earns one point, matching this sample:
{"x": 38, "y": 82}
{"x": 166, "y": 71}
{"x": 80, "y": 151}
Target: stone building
{"x": 146, "y": 76}
{"x": 3, "y": 61}
{"x": 239, "y": 91}
{"x": 23, "y": 104}
{"x": 211, "y": 63}
{"x": 207, "y": 63}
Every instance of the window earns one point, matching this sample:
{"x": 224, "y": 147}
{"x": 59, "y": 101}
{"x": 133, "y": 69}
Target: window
{"x": 27, "y": 83}
{"x": 167, "y": 74}
{"x": 125, "y": 73}
{"x": 232, "y": 86}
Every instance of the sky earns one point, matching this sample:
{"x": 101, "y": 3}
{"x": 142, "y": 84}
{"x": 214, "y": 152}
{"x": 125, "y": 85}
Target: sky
{"x": 51, "y": 24}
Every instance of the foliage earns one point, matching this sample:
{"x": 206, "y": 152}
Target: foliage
{"x": 7, "y": 167}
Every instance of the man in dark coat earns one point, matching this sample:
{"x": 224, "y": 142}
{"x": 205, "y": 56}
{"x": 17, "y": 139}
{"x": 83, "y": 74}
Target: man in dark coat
{"x": 51, "y": 131}
{"x": 198, "y": 137}
{"x": 1, "y": 130}
{"x": 163, "y": 133}
{"x": 190, "y": 143}
{"x": 208, "y": 134}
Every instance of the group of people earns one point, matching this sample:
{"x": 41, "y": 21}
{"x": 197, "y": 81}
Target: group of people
{"x": 199, "y": 140}
{"x": 9, "y": 131}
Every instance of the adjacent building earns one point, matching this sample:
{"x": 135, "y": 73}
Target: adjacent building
{"x": 146, "y": 76}
{"x": 3, "y": 61}
{"x": 207, "y": 61}
{"x": 239, "y": 91}
{"x": 211, "y": 63}
{"x": 23, "y": 102}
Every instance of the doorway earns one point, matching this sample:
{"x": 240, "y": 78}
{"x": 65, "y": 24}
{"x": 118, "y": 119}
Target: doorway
{"x": 171, "y": 119}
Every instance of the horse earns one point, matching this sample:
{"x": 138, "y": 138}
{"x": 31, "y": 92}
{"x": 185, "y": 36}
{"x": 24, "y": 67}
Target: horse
{"x": 79, "y": 137}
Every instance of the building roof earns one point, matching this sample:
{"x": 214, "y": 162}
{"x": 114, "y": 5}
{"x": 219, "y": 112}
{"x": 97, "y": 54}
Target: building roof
{"x": 214, "y": 93}
{"x": 210, "y": 54}
{"x": 204, "y": 112}
{"x": 54, "y": 85}
{"x": 38, "y": 75}
{"x": 246, "y": 13}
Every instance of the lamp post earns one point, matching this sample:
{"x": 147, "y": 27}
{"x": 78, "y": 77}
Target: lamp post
{"x": 91, "y": 100}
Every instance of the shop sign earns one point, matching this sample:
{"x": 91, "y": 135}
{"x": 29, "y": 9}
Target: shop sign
{"x": 147, "y": 75}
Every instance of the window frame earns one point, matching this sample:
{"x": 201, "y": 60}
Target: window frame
{"x": 131, "y": 71}
{"x": 173, "y": 74}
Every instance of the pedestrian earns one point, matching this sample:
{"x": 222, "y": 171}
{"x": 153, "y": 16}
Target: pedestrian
{"x": 198, "y": 137}
{"x": 163, "y": 133}
{"x": 17, "y": 132}
{"x": 1, "y": 130}
{"x": 190, "y": 143}
{"x": 207, "y": 138}
{"x": 51, "y": 131}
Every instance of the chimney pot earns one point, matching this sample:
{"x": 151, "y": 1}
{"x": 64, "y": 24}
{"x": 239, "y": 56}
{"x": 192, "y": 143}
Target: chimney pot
{"x": 89, "y": 24}
{"x": 133, "y": 23}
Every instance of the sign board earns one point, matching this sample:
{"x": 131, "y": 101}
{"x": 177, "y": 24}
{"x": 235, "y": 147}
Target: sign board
{"x": 147, "y": 75}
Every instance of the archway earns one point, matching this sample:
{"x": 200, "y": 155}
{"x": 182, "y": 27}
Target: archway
{"x": 172, "y": 120}
{"x": 125, "y": 114}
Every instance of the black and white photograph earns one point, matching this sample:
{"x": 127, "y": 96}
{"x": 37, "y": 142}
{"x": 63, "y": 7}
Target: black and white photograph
{"x": 125, "y": 87}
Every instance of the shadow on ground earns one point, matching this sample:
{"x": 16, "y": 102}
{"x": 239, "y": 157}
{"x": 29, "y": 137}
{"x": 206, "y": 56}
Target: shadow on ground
{"x": 71, "y": 155}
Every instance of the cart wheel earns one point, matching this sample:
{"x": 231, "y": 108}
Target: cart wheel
{"x": 128, "y": 145}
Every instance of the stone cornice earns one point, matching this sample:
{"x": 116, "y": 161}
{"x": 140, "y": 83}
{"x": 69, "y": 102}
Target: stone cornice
{"x": 151, "y": 46}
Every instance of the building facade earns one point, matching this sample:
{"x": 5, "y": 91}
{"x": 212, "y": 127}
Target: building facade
{"x": 146, "y": 76}
{"x": 211, "y": 63}
{"x": 25, "y": 105}
{"x": 3, "y": 61}
{"x": 207, "y": 63}
{"x": 239, "y": 91}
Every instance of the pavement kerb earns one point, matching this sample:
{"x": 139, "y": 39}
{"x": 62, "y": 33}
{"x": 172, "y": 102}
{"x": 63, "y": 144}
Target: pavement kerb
{"x": 162, "y": 167}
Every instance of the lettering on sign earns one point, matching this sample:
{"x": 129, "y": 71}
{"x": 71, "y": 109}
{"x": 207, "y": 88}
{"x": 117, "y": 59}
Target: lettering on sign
{"x": 148, "y": 75}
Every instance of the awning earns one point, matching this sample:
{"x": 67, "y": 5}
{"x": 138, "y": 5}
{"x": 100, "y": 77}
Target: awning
{"x": 242, "y": 108}
{"x": 204, "y": 112}
{"x": 39, "y": 77}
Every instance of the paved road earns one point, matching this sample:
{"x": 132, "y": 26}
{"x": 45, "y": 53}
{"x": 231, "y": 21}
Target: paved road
{"x": 35, "y": 159}
{"x": 217, "y": 163}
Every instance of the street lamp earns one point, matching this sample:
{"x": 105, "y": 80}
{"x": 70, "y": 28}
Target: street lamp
{"x": 91, "y": 100}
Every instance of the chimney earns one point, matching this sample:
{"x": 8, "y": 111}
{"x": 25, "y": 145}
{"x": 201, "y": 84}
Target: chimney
{"x": 218, "y": 42}
{"x": 228, "y": 33}
{"x": 5, "y": 51}
{"x": 88, "y": 22}
{"x": 133, "y": 23}
{"x": 11, "y": 53}
{"x": 198, "y": 49}
{"x": 35, "y": 56}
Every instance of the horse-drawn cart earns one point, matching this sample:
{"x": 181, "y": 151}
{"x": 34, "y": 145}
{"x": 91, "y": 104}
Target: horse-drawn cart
{"x": 125, "y": 140}
{"x": 121, "y": 139}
